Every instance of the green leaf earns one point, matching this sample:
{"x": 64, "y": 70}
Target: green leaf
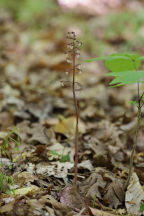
{"x": 10, "y": 180}
{"x": 1, "y": 181}
{"x": 141, "y": 207}
{"x": 65, "y": 158}
{"x": 1, "y": 164}
{"x": 96, "y": 59}
{"x": 126, "y": 77}
{"x": 111, "y": 57}
{"x": 53, "y": 152}
{"x": 11, "y": 191}
{"x": 17, "y": 149}
{"x": 133, "y": 102}
{"x": 123, "y": 62}
{"x": 94, "y": 202}
{"x": 141, "y": 57}
{"x": 10, "y": 167}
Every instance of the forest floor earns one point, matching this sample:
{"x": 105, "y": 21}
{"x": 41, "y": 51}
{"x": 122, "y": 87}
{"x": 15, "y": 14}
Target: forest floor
{"x": 37, "y": 120}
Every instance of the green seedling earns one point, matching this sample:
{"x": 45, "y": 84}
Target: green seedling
{"x": 141, "y": 207}
{"x": 64, "y": 158}
{"x": 124, "y": 69}
{"x": 53, "y": 153}
{"x": 6, "y": 144}
{"x": 5, "y": 182}
{"x": 94, "y": 201}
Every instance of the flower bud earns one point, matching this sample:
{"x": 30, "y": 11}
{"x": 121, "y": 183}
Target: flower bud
{"x": 68, "y": 60}
{"x": 67, "y": 72}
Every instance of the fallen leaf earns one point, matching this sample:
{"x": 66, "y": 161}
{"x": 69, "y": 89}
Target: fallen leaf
{"x": 60, "y": 208}
{"x": 97, "y": 212}
{"x": 38, "y": 135}
{"x": 115, "y": 194}
{"x": 134, "y": 196}
{"x": 70, "y": 196}
{"x": 26, "y": 190}
{"x": 60, "y": 150}
{"x": 104, "y": 185}
{"x": 66, "y": 126}
{"x": 57, "y": 169}
{"x": 91, "y": 186}
{"x": 7, "y": 207}
{"x": 23, "y": 178}
{"x": 86, "y": 164}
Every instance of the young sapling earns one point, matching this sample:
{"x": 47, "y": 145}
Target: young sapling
{"x": 124, "y": 69}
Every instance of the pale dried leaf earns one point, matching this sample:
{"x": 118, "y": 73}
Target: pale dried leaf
{"x": 61, "y": 150}
{"x": 57, "y": 169}
{"x": 38, "y": 135}
{"x": 134, "y": 196}
{"x": 97, "y": 212}
{"x": 86, "y": 164}
{"x": 26, "y": 190}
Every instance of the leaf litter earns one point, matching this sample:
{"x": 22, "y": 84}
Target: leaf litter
{"x": 32, "y": 99}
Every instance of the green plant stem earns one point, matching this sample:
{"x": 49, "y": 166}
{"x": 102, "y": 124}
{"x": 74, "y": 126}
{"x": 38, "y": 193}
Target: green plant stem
{"x": 77, "y": 118}
{"x": 134, "y": 146}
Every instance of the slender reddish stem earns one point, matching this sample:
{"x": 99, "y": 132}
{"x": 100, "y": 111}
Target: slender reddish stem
{"x": 76, "y": 115}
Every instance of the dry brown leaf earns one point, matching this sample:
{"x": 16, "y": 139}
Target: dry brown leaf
{"x": 129, "y": 127}
{"x": 97, "y": 212}
{"x": 6, "y": 120}
{"x": 103, "y": 184}
{"x": 38, "y": 135}
{"x": 66, "y": 126}
{"x": 60, "y": 208}
{"x": 7, "y": 207}
{"x": 86, "y": 164}
{"x": 93, "y": 183}
{"x": 24, "y": 128}
{"x": 39, "y": 207}
{"x": 106, "y": 132}
{"x": 71, "y": 197}
{"x": 50, "y": 211}
{"x": 24, "y": 177}
{"x": 53, "y": 202}
{"x": 115, "y": 194}
{"x": 34, "y": 205}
